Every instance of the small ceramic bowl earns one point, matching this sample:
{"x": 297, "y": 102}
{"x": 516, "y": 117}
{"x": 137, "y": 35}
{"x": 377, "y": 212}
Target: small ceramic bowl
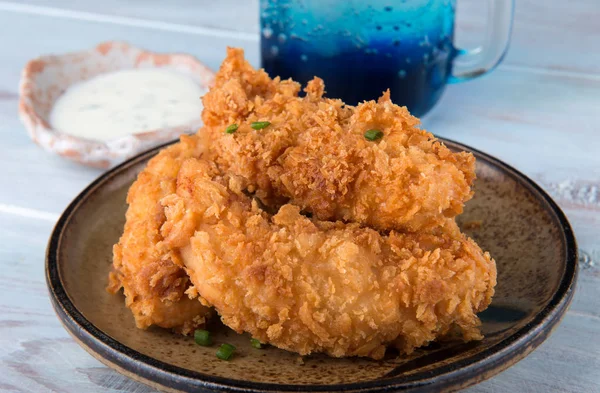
{"x": 44, "y": 79}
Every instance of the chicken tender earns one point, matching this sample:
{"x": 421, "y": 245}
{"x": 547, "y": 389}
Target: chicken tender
{"x": 308, "y": 286}
{"x": 154, "y": 281}
{"x": 314, "y": 153}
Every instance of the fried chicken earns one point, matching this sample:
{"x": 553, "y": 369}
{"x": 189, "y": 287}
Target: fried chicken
{"x": 307, "y": 285}
{"x": 154, "y": 281}
{"x": 302, "y": 231}
{"x": 314, "y": 153}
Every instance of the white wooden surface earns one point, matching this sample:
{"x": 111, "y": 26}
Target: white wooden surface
{"x": 544, "y": 98}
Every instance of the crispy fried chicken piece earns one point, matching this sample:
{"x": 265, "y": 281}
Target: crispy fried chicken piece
{"x": 307, "y": 286}
{"x": 154, "y": 281}
{"x": 314, "y": 152}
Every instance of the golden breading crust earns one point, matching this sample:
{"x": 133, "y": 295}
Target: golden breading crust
{"x": 153, "y": 280}
{"x": 314, "y": 152}
{"x": 312, "y": 286}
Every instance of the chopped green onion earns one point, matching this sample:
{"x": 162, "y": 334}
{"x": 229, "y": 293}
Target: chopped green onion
{"x": 255, "y": 343}
{"x": 202, "y": 337}
{"x": 231, "y": 129}
{"x": 373, "y": 135}
{"x": 259, "y": 125}
{"x": 225, "y": 351}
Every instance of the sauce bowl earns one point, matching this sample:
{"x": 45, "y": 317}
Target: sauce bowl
{"x": 44, "y": 79}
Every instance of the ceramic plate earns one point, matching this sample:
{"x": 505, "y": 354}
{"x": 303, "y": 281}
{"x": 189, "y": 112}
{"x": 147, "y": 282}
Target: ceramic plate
{"x": 510, "y": 216}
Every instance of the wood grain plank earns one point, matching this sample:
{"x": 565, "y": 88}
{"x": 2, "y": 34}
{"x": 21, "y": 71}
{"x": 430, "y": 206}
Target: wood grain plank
{"x": 223, "y": 17}
{"x": 70, "y": 35}
{"x": 555, "y": 35}
{"x": 37, "y": 354}
{"x": 564, "y": 363}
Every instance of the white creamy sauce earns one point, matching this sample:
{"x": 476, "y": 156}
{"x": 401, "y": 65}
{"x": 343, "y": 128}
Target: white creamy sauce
{"x": 126, "y": 102}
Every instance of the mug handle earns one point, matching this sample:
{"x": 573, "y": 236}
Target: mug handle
{"x": 469, "y": 64}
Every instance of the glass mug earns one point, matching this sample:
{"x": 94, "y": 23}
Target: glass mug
{"x": 361, "y": 48}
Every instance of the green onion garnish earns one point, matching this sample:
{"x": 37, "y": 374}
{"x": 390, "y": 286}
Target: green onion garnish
{"x": 202, "y": 337}
{"x": 259, "y": 125}
{"x": 373, "y": 135}
{"x": 225, "y": 351}
{"x": 231, "y": 129}
{"x": 255, "y": 343}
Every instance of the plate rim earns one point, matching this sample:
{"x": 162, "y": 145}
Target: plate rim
{"x": 461, "y": 374}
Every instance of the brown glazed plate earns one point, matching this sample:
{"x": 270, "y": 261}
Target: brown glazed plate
{"x": 510, "y": 216}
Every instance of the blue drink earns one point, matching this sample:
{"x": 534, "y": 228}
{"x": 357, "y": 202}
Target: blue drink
{"x": 362, "y": 48}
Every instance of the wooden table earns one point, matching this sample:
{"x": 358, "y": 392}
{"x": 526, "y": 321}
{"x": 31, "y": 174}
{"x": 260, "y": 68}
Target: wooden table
{"x": 539, "y": 111}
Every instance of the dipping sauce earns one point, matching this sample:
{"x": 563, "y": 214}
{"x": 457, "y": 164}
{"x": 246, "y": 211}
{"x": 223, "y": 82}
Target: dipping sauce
{"x": 115, "y": 104}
